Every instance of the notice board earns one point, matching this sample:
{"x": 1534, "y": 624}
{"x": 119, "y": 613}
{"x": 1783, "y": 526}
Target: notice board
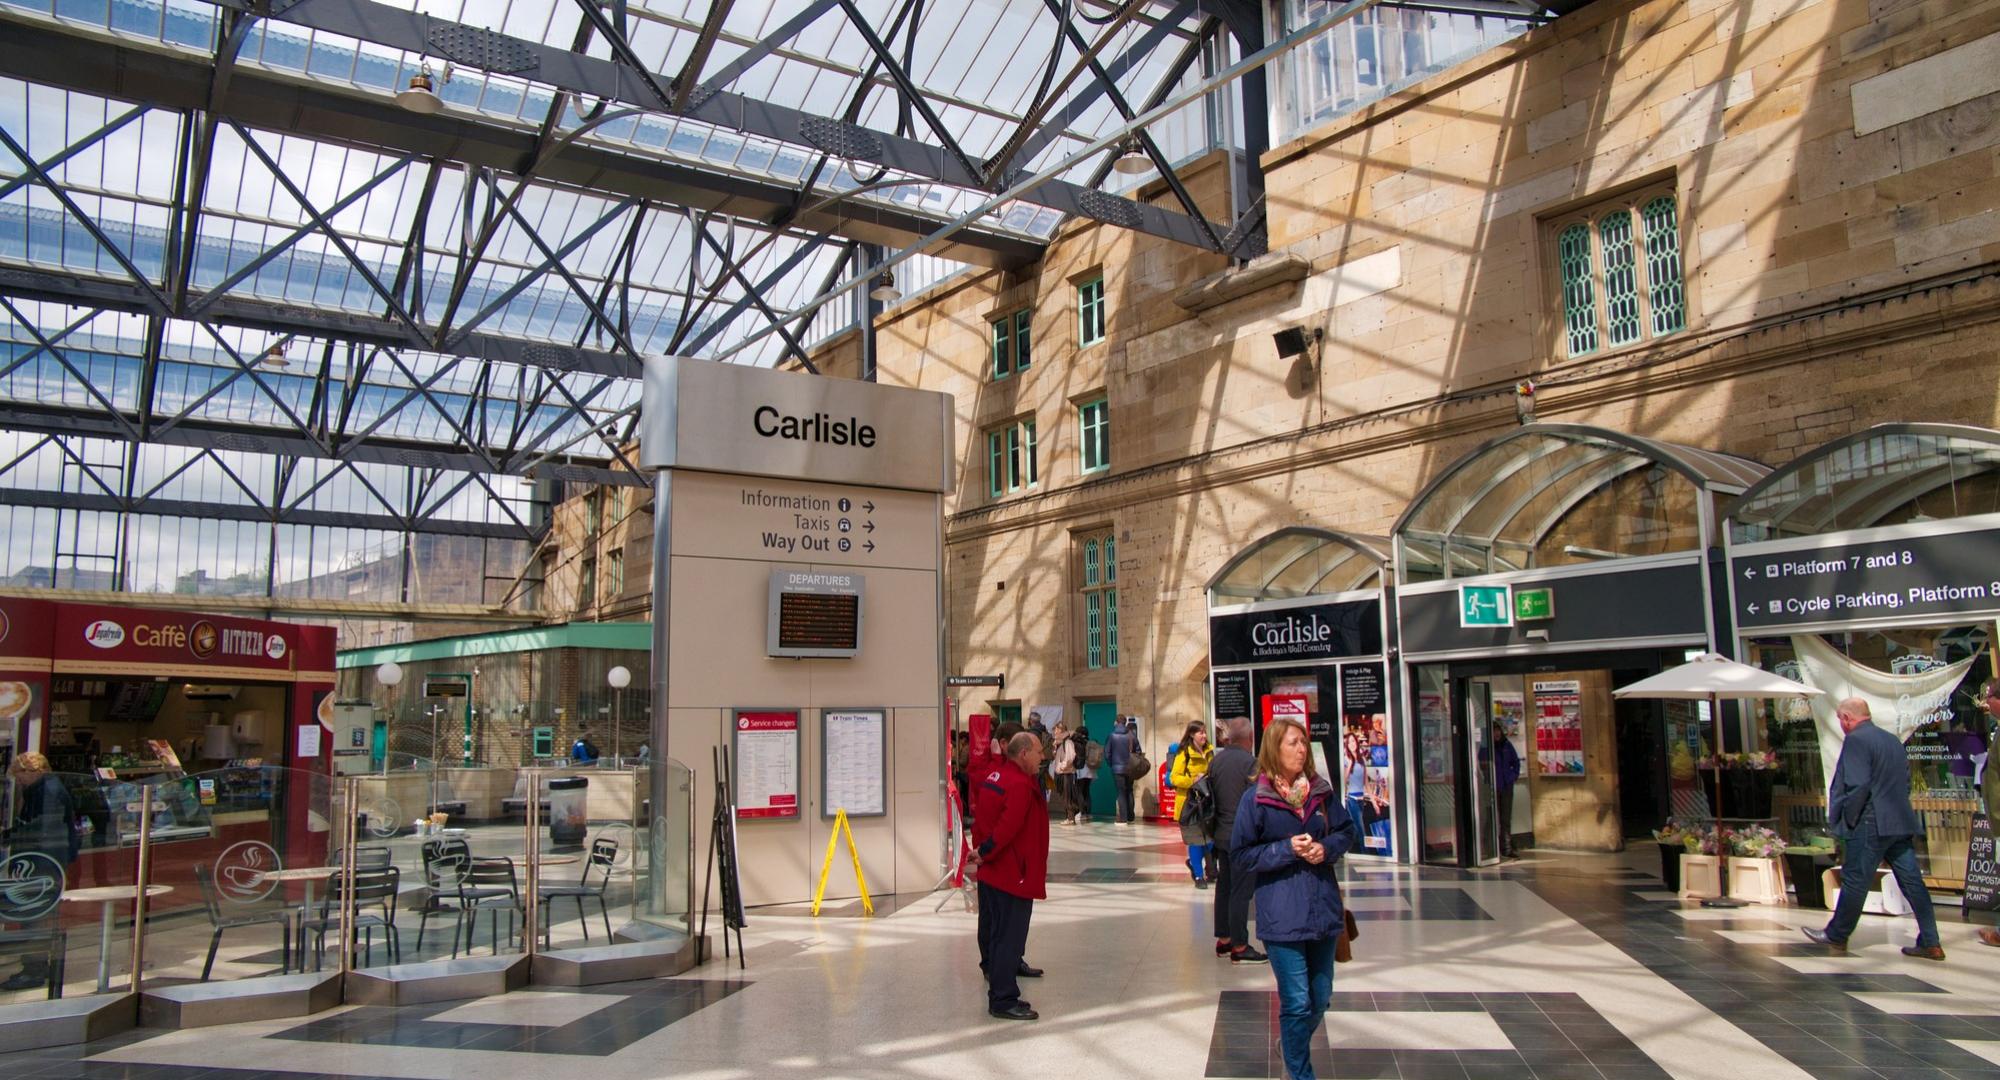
{"x": 766, "y": 759}
{"x": 854, "y": 762}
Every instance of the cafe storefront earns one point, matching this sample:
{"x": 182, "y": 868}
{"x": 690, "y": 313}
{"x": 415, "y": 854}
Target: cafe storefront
{"x": 1870, "y": 568}
{"x": 1534, "y": 576}
{"x": 1298, "y": 626}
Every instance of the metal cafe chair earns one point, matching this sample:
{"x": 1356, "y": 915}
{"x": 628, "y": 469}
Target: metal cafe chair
{"x": 488, "y": 886}
{"x": 603, "y": 853}
{"x": 445, "y": 861}
{"x": 226, "y": 914}
{"x": 375, "y": 888}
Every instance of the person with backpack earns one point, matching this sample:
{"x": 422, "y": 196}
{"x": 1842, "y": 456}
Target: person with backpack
{"x": 1118, "y": 758}
{"x": 1090, "y": 758}
{"x": 1062, "y": 770}
{"x": 1231, "y": 773}
{"x": 1190, "y": 765}
{"x": 583, "y": 751}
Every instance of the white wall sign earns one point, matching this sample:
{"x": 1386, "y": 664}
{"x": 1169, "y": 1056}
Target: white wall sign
{"x": 854, "y": 763}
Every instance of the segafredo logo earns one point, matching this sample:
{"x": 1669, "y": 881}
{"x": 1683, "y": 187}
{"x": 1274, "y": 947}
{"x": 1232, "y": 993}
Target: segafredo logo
{"x": 104, "y": 634}
{"x": 274, "y": 647}
{"x": 4, "y": 626}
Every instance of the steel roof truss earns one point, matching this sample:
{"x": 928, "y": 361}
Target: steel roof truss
{"x": 157, "y": 302}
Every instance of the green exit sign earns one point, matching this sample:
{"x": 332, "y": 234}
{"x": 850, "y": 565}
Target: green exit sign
{"x": 1485, "y": 605}
{"x": 1533, "y": 604}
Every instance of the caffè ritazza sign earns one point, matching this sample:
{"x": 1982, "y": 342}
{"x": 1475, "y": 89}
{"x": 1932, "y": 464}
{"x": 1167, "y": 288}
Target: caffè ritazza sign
{"x": 1319, "y": 632}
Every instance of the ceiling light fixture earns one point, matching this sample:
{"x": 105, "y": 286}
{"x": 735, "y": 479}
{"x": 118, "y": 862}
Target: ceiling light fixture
{"x": 1132, "y": 159}
{"x": 421, "y": 97}
{"x": 885, "y": 288}
{"x": 274, "y": 357}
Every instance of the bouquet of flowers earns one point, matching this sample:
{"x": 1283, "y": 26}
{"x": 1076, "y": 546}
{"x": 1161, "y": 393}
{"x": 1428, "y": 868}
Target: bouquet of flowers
{"x": 1754, "y": 760}
{"x": 1674, "y": 832}
{"x": 1702, "y": 841}
{"x": 1756, "y": 842}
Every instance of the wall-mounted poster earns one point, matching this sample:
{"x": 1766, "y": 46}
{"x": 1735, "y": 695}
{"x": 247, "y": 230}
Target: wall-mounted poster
{"x": 1299, "y": 708}
{"x": 1559, "y": 727}
{"x": 854, "y": 762}
{"x": 1365, "y": 781}
{"x": 767, "y": 763}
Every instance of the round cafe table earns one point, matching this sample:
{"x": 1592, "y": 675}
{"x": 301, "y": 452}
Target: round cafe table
{"x": 109, "y": 896}
{"x": 308, "y": 875}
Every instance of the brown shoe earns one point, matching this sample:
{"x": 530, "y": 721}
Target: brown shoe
{"x": 1988, "y": 936}
{"x": 1924, "y": 952}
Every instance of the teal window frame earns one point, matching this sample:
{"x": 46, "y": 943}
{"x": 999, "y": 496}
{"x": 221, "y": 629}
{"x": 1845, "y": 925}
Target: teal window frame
{"x": 1013, "y": 462}
{"x": 1093, "y": 423}
{"x": 1090, "y": 311}
{"x": 1622, "y": 274}
{"x": 1012, "y": 335}
{"x": 1100, "y": 602}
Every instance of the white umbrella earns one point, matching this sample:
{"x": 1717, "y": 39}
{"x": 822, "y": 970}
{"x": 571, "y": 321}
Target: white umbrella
{"x": 1711, "y": 677}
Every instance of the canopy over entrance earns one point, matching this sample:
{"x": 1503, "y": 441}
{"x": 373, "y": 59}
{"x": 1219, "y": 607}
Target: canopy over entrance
{"x": 1891, "y": 474}
{"x": 1300, "y": 561}
{"x": 1557, "y": 494}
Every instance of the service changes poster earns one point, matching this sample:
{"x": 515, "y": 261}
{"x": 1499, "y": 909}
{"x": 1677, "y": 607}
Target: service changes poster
{"x": 767, "y": 764}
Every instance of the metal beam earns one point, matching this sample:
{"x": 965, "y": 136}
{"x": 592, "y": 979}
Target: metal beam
{"x": 399, "y": 28}
{"x": 74, "y": 58}
{"x": 291, "y": 606}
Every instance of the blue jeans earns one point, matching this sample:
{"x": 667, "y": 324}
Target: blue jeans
{"x": 1865, "y": 851}
{"x": 1305, "y": 986}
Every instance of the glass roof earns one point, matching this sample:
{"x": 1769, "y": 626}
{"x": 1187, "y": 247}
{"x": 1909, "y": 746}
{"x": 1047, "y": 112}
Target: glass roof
{"x": 1558, "y": 494}
{"x": 1888, "y": 475}
{"x": 1297, "y": 562}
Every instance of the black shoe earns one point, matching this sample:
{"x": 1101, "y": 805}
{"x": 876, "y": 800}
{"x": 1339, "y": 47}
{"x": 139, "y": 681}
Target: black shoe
{"x": 1017, "y": 1011}
{"x": 1221, "y": 949}
{"x": 1201, "y": 883}
{"x": 1248, "y": 955}
{"x": 1818, "y": 937}
{"x": 25, "y": 980}
{"x": 1026, "y": 972}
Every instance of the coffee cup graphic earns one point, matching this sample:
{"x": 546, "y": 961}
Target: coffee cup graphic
{"x": 15, "y": 697}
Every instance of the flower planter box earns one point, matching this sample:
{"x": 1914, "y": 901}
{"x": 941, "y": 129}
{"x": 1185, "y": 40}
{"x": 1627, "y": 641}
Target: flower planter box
{"x": 1701, "y": 877}
{"x": 1670, "y": 865}
{"x": 1759, "y": 881}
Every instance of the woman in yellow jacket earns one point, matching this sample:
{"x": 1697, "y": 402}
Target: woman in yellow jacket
{"x": 1191, "y": 764}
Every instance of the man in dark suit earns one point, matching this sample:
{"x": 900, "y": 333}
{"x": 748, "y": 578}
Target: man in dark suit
{"x": 1868, "y": 804}
{"x": 1233, "y": 770}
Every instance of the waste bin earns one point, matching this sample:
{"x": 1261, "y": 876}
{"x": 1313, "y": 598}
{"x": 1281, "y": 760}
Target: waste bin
{"x": 569, "y": 810}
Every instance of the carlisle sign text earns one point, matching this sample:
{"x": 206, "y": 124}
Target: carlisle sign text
{"x": 1290, "y": 632}
{"x": 819, "y": 427}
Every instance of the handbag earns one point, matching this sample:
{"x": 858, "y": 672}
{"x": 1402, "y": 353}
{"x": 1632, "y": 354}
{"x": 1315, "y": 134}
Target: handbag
{"x": 1138, "y": 765}
{"x": 1343, "y": 946}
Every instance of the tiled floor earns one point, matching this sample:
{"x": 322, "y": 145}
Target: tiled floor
{"x": 1551, "y": 968}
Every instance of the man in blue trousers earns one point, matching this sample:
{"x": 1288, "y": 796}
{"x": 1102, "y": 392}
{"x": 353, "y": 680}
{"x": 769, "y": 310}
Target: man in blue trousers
{"x": 1868, "y": 805}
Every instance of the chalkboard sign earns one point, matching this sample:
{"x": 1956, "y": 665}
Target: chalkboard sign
{"x": 1232, "y": 694}
{"x": 1982, "y": 877}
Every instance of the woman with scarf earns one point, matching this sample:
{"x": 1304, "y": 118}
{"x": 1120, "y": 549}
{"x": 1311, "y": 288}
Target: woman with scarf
{"x": 1291, "y": 828}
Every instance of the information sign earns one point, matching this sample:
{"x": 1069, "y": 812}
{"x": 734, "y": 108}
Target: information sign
{"x": 1232, "y": 694}
{"x": 1558, "y": 727}
{"x": 767, "y": 764}
{"x": 854, "y": 757}
{"x": 1950, "y": 574}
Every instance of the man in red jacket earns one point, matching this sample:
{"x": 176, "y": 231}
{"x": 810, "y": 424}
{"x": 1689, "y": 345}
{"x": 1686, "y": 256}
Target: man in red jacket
{"x": 1010, "y": 837}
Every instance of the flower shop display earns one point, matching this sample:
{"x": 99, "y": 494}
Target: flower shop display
{"x": 1673, "y": 840}
{"x": 1755, "y": 873}
{"x": 1746, "y": 779}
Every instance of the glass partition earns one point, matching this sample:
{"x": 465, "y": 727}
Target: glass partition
{"x": 663, "y": 873}
{"x": 244, "y": 853}
{"x": 67, "y": 881}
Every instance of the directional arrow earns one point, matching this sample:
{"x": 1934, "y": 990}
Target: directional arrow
{"x": 868, "y": 545}
{"x": 1751, "y": 608}
{"x": 868, "y": 526}
{"x": 1750, "y": 572}
{"x": 869, "y": 506}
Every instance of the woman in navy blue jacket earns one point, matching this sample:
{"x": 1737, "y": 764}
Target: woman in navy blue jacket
{"x": 1290, "y": 831}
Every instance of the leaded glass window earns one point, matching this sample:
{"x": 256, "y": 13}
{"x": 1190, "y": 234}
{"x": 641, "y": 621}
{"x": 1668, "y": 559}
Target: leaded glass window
{"x": 1663, "y": 265}
{"x": 1100, "y": 601}
{"x": 1621, "y": 278}
{"x": 1579, "y": 298}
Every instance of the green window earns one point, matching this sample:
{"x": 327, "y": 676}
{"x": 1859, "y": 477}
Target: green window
{"x": 614, "y": 573}
{"x": 1579, "y": 297}
{"x": 1622, "y": 278}
{"x": 1666, "y": 295}
{"x": 1094, "y": 424}
{"x": 1010, "y": 344}
{"x": 1090, "y": 312}
{"x": 586, "y": 589}
{"x": 1011, "y": 459}
{"x": 1100, "y": 602}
